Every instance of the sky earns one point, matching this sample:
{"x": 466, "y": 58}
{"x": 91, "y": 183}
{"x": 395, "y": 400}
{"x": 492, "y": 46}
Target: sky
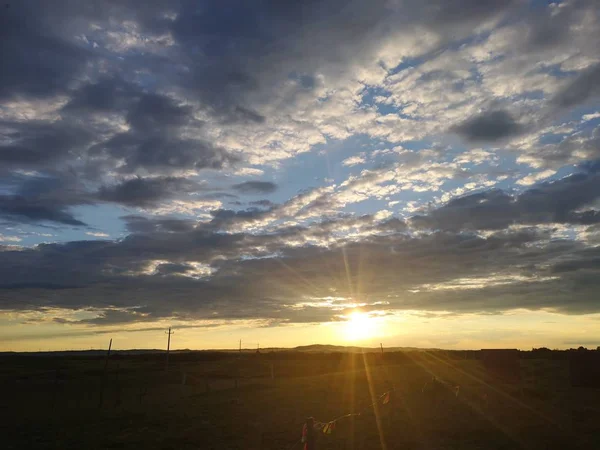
{"x": 412, "y": 173}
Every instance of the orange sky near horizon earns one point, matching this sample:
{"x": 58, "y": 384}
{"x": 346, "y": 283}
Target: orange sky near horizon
{"x": 515, "y": 329}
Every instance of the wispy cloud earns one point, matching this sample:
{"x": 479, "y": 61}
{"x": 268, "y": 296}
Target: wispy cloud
{"x": 97, "y": 234}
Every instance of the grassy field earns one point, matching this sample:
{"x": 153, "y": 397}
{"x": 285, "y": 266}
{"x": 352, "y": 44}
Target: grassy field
{"x": 231, "y": 401}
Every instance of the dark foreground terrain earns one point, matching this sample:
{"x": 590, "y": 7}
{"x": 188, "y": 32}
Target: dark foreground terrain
{"x": 219, "y": 400}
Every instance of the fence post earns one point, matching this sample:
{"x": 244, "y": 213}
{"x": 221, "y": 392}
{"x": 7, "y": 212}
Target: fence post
{"x": 104, "y": 375}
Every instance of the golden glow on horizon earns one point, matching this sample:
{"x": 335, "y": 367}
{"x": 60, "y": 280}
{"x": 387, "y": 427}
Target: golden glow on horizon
{"x": 33, "y": 331}
{"x": 360, "y": 326}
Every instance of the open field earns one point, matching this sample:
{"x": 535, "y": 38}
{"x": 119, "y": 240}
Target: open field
{"x": 252, "y": 401}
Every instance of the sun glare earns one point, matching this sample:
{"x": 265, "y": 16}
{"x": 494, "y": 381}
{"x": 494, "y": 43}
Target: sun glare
{"x": 359, "y": 326}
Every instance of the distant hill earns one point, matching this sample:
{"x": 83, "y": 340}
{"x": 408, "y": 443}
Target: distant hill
{"x": 314, "y": 348}
{"x": 321, "y": 348}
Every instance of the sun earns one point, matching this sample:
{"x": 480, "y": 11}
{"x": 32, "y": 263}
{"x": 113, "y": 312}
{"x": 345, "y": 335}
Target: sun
{"x": 359, "y": 326}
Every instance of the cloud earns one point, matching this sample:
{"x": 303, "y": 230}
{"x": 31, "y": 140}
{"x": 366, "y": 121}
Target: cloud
{"x": 490, "y": 126}
{"x": 568, "y": 200}
{"x": 155, "y": 140}
{"x": 107, "y": 94}
{"x": 146, "y": 191}
{"x": 19, "y": 208}
{"x": 141, "y": 224}
{"x": 42, "y": 199}
{"x": 135, "y": 274}
{"x": 574, "y": 148}
{"x": 533, "y": 178}
{"x": 97, "y": 234}
{"x": 583, "y": 88}
{"x": 40, "y": 145}
{"x": 28, "y": 32}
{"x": 161, "y": 153}
{"x": 263, "y": 203}
{"x": 255, "y": 187}
{"x": 588, "y": 117}
{"x": 6, "y": 238}
{"x": 353, "y": 161}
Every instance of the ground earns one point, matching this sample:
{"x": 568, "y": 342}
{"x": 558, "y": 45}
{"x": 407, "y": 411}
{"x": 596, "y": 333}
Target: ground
{"x": 253, "y": 401}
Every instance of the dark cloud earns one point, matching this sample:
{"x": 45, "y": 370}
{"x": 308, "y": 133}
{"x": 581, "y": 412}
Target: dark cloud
{"x": 263, "y": 203}
{"x": 50, "y": 198}
{"x": 584, "y": 87}
{"x": 42, "y": 199}
{"x": 219, "y": 196}
{"x": 255, "y": 187}
{"x": 108, "y": 94}
{"x": 146, "y": 191}
{"x": 22, "y": 209}
{"x": 574, "y": 264}
{"x": 37, "y": 145}
{"x": 170, "y": 268}
{"x": 156, "y": 111}
{"x": 224, "y": 219}
{"x": 489, "y": 127}
{"x": 162, "y": 152}
{"x": 562, "y": 201}
{"x": 396, "y": 270}
{"x": 37, "y": 58}
{"x": 392, "y": 225}
{"x": 154, "y": 142}
{"x": 140, "y": 224}
{"x": 114, "y": 316}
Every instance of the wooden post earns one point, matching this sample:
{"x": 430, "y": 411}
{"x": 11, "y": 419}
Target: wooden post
{"x": 169, "y": 333}
{"x": 107, "y": 355}
{"x": 104, "y": 374}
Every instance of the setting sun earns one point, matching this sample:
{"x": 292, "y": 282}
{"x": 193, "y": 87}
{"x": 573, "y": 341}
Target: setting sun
{"x": 359, "y": 326}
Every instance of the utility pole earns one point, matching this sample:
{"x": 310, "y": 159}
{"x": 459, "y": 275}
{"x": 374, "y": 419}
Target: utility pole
{"x": 381, "y": 344}
{"x": 169, "y": 333}
{"x": 240, "y": 346}
{"x": 104, "y": 374}
{"x": 107, "y": 355}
